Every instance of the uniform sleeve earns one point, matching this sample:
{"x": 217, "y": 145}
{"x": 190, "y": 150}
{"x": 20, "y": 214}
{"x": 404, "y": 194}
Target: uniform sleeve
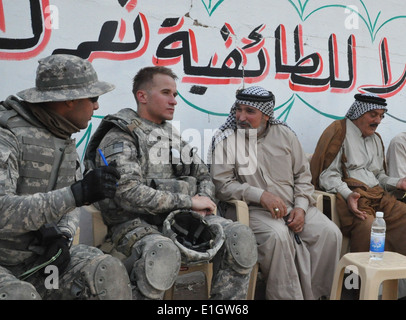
{"x": 70, "y": 222}
{"x": 22, "y": 213}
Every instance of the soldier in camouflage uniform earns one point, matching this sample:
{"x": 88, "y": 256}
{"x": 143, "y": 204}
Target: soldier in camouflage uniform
{"x": 161, "y": 173}
{"x": 41, "y": 188}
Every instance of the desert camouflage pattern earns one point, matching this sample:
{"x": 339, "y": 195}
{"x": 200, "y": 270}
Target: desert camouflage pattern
{"x": 36, "y": 171}
{"x": 64, "y": 77}
{"x": 90, "y": 275}
{"x": 28, "y": 153}
{"x": 151, "y": 187}
{"x": 147, "y": 176}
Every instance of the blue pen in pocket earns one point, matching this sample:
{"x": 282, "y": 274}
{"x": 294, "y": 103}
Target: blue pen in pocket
{"x": 104, "y": 159}
{"x": 102, "y": 156}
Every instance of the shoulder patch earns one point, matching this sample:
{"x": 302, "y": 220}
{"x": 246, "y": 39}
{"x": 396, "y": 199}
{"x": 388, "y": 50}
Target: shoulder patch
{"x": 117, "y": 147}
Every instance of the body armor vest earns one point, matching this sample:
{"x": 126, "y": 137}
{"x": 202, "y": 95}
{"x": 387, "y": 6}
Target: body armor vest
{"x": 155, "y": 153}
{"x": 45, "y": 162}
{"x": 161, "y": 170}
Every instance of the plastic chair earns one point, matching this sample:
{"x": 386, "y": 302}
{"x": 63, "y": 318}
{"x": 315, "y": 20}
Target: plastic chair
{"x": 99, "y": 228}
{"x": 76, "y": 238}
{"x": 373, "y": 273}
{"x": 205, "y": 268}
{"x": 321, "y": 198}
{"x": 330, "y": 210}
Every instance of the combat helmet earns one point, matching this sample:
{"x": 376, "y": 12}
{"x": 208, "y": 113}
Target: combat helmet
{"x": 197, "y": 240}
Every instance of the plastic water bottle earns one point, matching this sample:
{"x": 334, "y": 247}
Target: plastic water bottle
{"x": 378, "y": 231}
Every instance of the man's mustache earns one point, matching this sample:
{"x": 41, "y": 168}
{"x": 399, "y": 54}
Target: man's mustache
{"x": 244, "y": 123}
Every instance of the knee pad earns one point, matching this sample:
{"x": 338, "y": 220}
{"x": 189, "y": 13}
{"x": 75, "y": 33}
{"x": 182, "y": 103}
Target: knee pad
{"x": 103, "y": 278}
{"x": 157, "y": 268}
{"x": 241, "y": 247}
{"x": 14, "y": 289}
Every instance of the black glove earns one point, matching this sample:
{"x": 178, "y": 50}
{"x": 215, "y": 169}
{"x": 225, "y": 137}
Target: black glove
{"x": 53, "y": 239}
{"x": 63, "y": 258}
{"x": 96, "y": 185}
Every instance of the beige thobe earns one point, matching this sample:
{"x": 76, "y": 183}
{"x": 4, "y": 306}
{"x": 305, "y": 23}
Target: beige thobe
{"x": 396, "y": 156}
{"x": 276, "y": 162}
{"x": 365, "y": 157}
{"x": 396, "y": 160}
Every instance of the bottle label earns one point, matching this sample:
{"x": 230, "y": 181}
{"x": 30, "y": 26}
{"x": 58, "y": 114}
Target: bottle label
{"x": 377, "y": 243}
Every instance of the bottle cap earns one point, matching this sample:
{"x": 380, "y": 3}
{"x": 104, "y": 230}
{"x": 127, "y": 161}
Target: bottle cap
{"x": 379, "y": 214}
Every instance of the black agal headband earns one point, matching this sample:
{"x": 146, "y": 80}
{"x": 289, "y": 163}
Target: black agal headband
{"x": 241, "y": 95}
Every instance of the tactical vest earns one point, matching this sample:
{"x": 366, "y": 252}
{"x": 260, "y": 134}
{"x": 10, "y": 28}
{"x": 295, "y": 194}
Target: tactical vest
{"x": 45, "y": 162}
{"x": 160, "y": 169}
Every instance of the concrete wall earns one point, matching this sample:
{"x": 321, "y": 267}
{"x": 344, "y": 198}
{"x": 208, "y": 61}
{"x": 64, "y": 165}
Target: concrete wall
{"x": 314, "y": 55}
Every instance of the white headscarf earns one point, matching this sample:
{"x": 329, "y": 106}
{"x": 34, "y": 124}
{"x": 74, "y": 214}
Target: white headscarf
{"x": 364, "y": 103}
{"x": 256, "y": 97}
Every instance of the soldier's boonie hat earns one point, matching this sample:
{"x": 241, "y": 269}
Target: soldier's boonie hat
{"x": 65, "y": 77}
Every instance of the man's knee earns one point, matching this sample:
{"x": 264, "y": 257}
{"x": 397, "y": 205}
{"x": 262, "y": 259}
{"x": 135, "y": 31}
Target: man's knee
{"x": 104, "y": 278}
{"x": 241, "y": 247}
{"x": 13, "y": 289}
{"x": 157, "y": 266}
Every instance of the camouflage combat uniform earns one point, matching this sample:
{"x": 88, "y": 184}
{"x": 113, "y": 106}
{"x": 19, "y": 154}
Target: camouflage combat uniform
{"x": 36, "y": 170}
{"x": 154, "y": 183}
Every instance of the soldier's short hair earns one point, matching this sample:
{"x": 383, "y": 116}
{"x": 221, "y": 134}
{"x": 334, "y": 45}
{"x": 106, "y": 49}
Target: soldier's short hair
{"x": 145, "y": 75}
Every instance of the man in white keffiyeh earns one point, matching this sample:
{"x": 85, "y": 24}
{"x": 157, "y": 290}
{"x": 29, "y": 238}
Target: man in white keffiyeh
{"x": 349, "y": 160}
{"x": 364, "y": 103}
{"x": 256, "y": 97}
{"x": 298, "y": 246}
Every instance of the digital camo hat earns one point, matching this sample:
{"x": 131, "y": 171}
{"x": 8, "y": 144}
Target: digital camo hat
{"x": 65, "y": 77}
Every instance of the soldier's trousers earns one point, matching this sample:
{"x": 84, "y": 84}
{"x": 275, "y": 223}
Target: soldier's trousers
{"x": 90, "y": 274}
{"x": 154, "y": 261}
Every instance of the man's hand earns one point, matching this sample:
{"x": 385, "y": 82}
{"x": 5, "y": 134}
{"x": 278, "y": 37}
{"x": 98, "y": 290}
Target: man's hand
{"x": 401, "y": 184}
{"x": 96, "y": 185}
{"x": 296, "y": 220}
{"x": 203, "y": 205}
{"x": 273, "y": 204}
{"x": 352, "y": 203}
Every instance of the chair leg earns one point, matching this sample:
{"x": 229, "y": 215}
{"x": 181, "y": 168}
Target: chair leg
{"x": 337, "y": 284}
{"x": 205, "y": 268}
{"x": 390, "y": 289}
{"x": 168, "y": 295}
{"x": 253, "y": 282}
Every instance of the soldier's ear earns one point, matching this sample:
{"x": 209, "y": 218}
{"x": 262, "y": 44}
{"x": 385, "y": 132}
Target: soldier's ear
{"x": 141, "y": 96}
{"x": 70, "y": 103}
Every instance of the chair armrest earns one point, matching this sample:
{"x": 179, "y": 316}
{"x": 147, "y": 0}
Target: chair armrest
{"x": 242, "y": 212}
{"x": 319, "y": 195}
